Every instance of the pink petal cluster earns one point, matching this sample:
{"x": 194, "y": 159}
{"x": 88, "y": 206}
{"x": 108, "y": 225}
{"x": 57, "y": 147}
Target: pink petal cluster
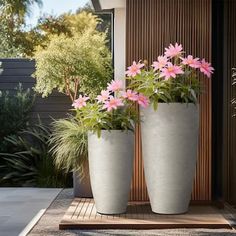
{"x": 190, "y": 61}
{"x": 112, "y": 103}
{"x": 143, "y": 101}
{"x": 134, "y": 69}
{"x": 80, "y": 102}
{"x": 103, "y": 96}
{"x": 171, "y": 71}
{"x": 173, "y": 51}
{"x": 130, "y": 95}
{"x": 115, "y": 85}
{"x": 160, "y": 63}
{"x": 206, "y": 68}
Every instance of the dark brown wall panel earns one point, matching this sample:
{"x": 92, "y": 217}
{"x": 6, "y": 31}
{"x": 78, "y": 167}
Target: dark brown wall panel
{"x": 151, "y": 26}
{"x": 229, "y": 140}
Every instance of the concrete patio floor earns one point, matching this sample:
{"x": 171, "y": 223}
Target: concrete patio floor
{"x": 48, "y": 224}
{"x": 18, "y": 206}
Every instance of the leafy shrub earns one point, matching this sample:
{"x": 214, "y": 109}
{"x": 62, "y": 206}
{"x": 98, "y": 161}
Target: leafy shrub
{"x": 14, "y": 111}
{"x": 69, "y": 145}
{"x": 30, "y": 163}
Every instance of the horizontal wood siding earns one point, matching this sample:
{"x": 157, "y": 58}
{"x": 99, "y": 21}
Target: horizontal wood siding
{"x": 151, "y": 26}
{"x": 17, "y": 71}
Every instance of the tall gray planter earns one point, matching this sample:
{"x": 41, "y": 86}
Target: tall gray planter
{"x": 110, "y": 166}
{"x": 81, "y": 185}
{"x": 169, "y": 145}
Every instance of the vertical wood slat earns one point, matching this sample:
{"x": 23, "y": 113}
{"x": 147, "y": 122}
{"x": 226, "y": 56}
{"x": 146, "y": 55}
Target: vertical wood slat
{"x": 150, "y": 26}
{"x": 229, "y": 94}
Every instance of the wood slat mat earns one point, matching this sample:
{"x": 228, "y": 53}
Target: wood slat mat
{"x": 82, "y": 215}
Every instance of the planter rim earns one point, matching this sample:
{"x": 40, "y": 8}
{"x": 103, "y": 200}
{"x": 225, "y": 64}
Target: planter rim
{"x": 113, "y": 130}
{"x": 182, "y": 103}
{"x": 172, "y": 104}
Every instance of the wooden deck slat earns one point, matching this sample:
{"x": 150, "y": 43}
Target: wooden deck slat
{"x": 72, "y": 209}
{"x": 140, "y": 216}
{"x": 79, "y": 208}
{"x": 84, "y": 209}
{"x": 93, "y": 213}
{"x": 89, "y": 210}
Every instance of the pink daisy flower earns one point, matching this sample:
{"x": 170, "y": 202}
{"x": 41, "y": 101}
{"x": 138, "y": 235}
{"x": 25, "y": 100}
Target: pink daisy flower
{"x": 80, "y": 102}
{"x": 115, "y": 85}
{"x": 171, "y": 71}
{"x": 173, "y": 51}
{"x": 104, "y": 96}
{"x": 130, "y": 95}
{"x": 143, "y": 101}
{"x": 160, "y": 63}
{"x": 206, "y": 68}
{"x": 134, "y": 69}
{"x": 113, "y": 103}
{"x": 190, "y": 61}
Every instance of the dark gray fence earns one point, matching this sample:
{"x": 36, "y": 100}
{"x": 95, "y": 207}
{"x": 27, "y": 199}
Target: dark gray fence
{"x": 17, "y": 71}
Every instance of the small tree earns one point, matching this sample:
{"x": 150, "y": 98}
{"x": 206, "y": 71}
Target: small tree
{"x": 12, "y": 22}
{"x": 81, "y": 63}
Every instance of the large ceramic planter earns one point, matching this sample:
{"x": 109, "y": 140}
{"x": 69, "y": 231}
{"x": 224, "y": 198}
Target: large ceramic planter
{"x": 169, "y": 145}
{"x": 81, "y": 185}
{"x": 110, "y": 166}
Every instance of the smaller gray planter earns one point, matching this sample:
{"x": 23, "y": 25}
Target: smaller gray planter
{"x": 110, "y": 165}
{"x": 82, "y": 186}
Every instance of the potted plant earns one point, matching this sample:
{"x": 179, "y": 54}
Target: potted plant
{"x": 170, "y": 126}
{"x": 110, "y": 123}
{"x": 68, "y": 145}
{"x": 79, "y": 63}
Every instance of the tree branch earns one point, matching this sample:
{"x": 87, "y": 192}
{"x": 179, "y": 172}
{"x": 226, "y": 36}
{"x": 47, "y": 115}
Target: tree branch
{"x": 76, "y": 87}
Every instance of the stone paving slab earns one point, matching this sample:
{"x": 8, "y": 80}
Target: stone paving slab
{"x": 19, "y": 205}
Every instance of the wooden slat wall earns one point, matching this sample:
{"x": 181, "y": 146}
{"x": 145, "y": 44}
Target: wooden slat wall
{"x": 151, "y": 26}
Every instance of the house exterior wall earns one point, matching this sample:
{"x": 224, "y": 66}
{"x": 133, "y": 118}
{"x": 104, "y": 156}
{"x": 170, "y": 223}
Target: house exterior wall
{"x": 150, "y": 26}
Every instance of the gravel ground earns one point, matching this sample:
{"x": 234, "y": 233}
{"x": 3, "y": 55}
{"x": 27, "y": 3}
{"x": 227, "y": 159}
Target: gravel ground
{"x": 48, "y": 224}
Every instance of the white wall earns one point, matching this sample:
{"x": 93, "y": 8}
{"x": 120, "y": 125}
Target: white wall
{"x": 119, "y": 43}
{"x": 110, "y": 4}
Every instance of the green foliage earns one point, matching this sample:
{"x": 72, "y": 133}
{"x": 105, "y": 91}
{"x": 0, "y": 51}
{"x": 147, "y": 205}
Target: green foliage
{"x": 14, "y": 111}
{"x": 183, "y": 89}
{"x": 12, "y": 21}
{"x": 18, "y": 41}
{"x": 71, "y": 65}
{"x": 29, "y": 163}
{"x": 8, "y": 49}
{"x": 49, "y": 25}
{"x": 94, "y": 117}
{"x": 16, "y": 10}
{"x": 79, "y": 23}
{"x": 1, "y": 69}
{"x": 70, "y": 25}
{"x": 69, "y": 145}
